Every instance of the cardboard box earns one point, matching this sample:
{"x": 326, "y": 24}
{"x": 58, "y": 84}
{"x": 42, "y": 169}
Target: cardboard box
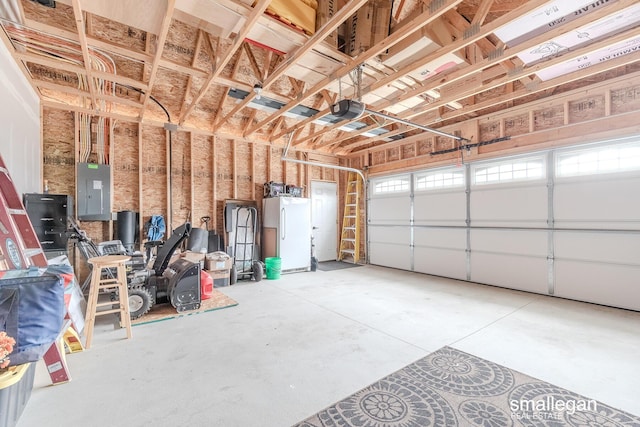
{"x": 359, "y": 28}
{"x": 326, "y": 10}
{"x": 216, "y": 261}
{"x": 195, "y": 257}
{"x": 368, "y": 26}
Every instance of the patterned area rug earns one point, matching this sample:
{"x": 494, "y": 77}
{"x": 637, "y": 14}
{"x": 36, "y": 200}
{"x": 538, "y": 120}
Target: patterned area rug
{"x": 453, "y": 388}
{"x": 166, "y": 311}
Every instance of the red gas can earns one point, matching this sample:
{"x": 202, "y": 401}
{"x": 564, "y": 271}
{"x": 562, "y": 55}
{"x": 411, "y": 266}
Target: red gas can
{"x": 206, "y": 285}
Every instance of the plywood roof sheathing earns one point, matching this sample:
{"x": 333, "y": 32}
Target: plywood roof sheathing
{"x": 257, "y": 12}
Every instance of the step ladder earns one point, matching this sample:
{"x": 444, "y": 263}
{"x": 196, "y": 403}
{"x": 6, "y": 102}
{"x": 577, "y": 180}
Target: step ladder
{"x": 19, "y": 245}
{"x": 350, "y": 236}
{"x": 19, "y": 250}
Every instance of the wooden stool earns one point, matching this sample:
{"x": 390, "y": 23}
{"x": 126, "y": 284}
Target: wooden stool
{"x": 118, "y": 281}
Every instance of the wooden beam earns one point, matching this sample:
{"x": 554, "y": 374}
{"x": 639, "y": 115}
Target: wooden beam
{"x": 219, "y": 120}
{"x": 160, "y": 40}
{"x": 214, "y": 183}
{"x": 256, "y": 13}
{"x": 252, "y": 153}
{"x": 252, "y": 60}
{"x": 250, "y": 118}
{"x": 399, "y": 35}
{"x": 399, "y": 10}
{"x": 82, "y": 37}
{"x": 193, "y": 64}
{"x": 191, "y": 177}
{"x": 481, "y": 12}
{"x": 317, "y": 38}
{"x": 140, "y": 184}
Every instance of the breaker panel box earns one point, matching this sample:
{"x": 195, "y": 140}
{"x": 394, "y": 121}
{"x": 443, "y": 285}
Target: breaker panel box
{"x": 94, "y": 192}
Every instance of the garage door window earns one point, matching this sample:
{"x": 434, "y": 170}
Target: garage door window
{"x": 391, "y": 185}
{"x": 609, "y": 159}
{"x": 439, "y": 179}
{"x": 523, "y": 169}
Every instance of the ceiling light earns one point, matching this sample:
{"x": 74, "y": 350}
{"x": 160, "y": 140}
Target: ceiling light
{"x": 257, "y": 88}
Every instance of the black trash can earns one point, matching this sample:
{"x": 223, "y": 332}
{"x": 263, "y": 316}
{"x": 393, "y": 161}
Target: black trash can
{"x": 126, "y": 229}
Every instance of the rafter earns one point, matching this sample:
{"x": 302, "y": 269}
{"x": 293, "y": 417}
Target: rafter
{"x": 82, "y": 37}
{"x": 482, "y": 12}
{"x": 187, "y": 90}
{"x": 256, "y": 13}
{"x": 252, "y": 60}
{"x": 155, "y": 62}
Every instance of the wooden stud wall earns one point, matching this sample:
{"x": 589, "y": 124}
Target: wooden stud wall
{"x": 206, "y": 171}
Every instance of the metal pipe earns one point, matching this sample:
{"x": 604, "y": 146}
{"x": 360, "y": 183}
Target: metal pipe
{"x": 327, "y": 165}
{"x": 415, "y": 125}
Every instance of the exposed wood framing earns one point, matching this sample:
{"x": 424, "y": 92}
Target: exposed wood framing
{"x": 479, "y": 67}
{"x": 256, "y": 13}
{"x": 187, "y": 91}
{"x": 80, "y": 24}
{"x": 155, "y": 63}
{"x": 337, "y": 19}
{"x": 402, "y": 33}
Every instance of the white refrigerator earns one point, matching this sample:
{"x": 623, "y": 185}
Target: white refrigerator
{"x": 287, "y": 232}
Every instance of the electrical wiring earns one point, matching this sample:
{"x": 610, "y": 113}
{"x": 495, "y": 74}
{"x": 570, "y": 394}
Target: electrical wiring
{"x": 69, "y": 51}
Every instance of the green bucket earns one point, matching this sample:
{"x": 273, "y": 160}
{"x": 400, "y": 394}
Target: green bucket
{"x": 273, "y": 267}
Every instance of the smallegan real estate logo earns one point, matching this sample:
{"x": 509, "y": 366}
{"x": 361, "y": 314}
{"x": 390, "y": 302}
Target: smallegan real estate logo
{"x": 549, "y": 408}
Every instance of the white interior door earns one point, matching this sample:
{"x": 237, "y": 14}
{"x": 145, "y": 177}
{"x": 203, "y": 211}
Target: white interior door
{"x": 324, "y": 219}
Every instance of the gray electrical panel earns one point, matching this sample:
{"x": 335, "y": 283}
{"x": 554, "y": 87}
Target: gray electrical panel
{"x": 94, "y": 192}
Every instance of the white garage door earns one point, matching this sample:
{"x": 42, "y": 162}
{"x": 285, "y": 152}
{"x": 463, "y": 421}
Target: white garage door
{"x": 563, "y": 222}
{"x": 597, "y": 217}
{"x": 440, "y": 235}
{"x": 389, "y": 228}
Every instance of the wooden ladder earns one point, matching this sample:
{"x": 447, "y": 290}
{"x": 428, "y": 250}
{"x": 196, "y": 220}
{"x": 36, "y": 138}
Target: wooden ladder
{"x": 350, "y": 236}
{"x": 19, "y": 245}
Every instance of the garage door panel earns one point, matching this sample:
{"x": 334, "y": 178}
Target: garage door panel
{"x": 443, "y": 238}
{"x": 518, "y": 242}
{"x": 510, "y": 271}
{"x": 390, "y": 255}
{"x": 440, "y": 208}
{"x": 616, "y": 248}
{"x": 390, "y": 210}
{"x": 389, "y": 234}
{"x": 512, "y": 205}
{"x": 597, "y": 203}
{"x": 613, "y": 285}
{"x": 441, "y": 262}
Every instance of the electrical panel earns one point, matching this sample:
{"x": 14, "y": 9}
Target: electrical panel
{"x": 94, "y": 192}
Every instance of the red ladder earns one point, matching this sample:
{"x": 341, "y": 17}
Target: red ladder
{"x": 20, "y": 249}
{"x": 19, "y": 245}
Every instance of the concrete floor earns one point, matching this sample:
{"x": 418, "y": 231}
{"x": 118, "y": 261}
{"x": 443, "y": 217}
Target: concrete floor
{"x": 294, "y": 346}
